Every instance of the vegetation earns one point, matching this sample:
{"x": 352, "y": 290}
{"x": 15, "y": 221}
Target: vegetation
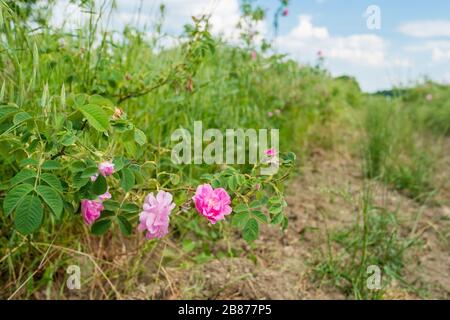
{"x": 73, "y": 100}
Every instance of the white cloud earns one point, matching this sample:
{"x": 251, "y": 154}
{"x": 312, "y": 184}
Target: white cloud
{"x": 426, "y": 29}
{"x": 439, "y": 50}
{"x": 305, "y": 40}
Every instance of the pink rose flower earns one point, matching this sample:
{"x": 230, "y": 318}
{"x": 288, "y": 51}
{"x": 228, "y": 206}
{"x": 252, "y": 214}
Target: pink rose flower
{"x": 253, "y": 55}
{"x": 270, "y": 152}
{"x": 94, "y": 177}
{"x": 214, "y": 204}
{"x": 104, "y": 196}
{"x": 155, "y": 215}
{"x": 91, "y": 210}
{"x": 285, "y": 12}
{"x": 270, "y": 114}
{"x": 429, "y": 97}
{"x": 106, "y": 168}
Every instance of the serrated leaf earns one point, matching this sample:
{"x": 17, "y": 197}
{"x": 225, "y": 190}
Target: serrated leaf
{"x": 99, "y": 186}
{"x": 277, "y": 218}
{"x": 15, "y": 196}
{"x": 251, "y": 230}
{"x": 124, "y": 225}
{"x": 111, "y": 205}
{"x": 275, "y": 209}
{"x": 29, "y": 161}
{"x": 52, "y": 181}
{"x": 127, "y": 179}
{"x": 100, "y": 227}
{"x": 89, "y": 172}
{"x": 29, "y": 213}
{"x": 130, "y": 207}
{"x": 232, "y": 183}
{"x": 51, "y": 165}
{"x": 95, "y": 116}
{"x": 240, "y": 208}
{"x": 51, "y": 198}
{"x": 118, "y": 164}
{"x": 22, "y": 176}
{"x": 68, "y": 139}
{"x": 78, "y": 181}
{"x": 240, "y": 219}
{"x": 261, "y": 216}
{"x": 77, "y": 166}
{"x": 139, "y": 137}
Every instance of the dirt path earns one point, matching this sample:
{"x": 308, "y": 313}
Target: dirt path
{"x": 281, "y": 265}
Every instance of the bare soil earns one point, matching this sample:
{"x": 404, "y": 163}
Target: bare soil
{"x": 280, "y": 265}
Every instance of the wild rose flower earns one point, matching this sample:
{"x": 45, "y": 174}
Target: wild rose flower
{"x": 106, "y": 168}
{"x": 429, "y": 97}
{"x": 104, "y": 196}
{"x": 270, "y": 114}
{"x": 271, "y": 157}
{"x": 155, "y": 215}
{"x": 270, "y": 152}
{"x": 253, "y": 55}
{"x": 214, "y": 204}
{"x": 285, "y": 12}
{"x": 90, "y": 210}
{"x": 94, "y": 177}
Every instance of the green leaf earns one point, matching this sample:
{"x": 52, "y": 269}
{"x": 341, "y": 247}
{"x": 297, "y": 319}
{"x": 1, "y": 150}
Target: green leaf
{"x": 118, "y": 164}
{"x": 124, "y": 225}
{"x": 78, "y": 181}
{"x": 284, "y": 223}
{"x": 22, "y": 176}
{"x": 251, "y": 230}
{"x": 51, "y": 198}
{"x": 101, "y": 226}
{"x": 77, "y": 166}
{"x": 89, "y": 172}
{"x": 261, "y": 216}
{"x": 239, "y": 219}
{"x": 255, "y": 204}
{"x": 139, "y": 137}
{"x": 277, "y": 218}
{"x": 29, "y": 161}
{"x": 15, "y": 196}
{"x": 111, "y": 205}
{"x": 275, "y": 209}
{"x": 29, "y": 214}
{"x": 232, "y": 183}
{"x": 21, "y": 117}
{"x": 52, "y": 181}
{"x": 6, "y": 111}
{"x": 127, "y": 179}
{"x": 68, "y": 139}
{"x": 51, "y": 165}
{"x": 99, "y": 186}
{"x": 96, "y": 117}
{"x": 130, "y": 207}
{"x": 240, "y": 208}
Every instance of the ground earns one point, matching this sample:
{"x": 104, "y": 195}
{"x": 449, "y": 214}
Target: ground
{"x": 322, "y": 198}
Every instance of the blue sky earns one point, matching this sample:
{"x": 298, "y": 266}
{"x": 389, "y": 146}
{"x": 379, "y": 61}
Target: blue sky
{"x": 413, "y": 42}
